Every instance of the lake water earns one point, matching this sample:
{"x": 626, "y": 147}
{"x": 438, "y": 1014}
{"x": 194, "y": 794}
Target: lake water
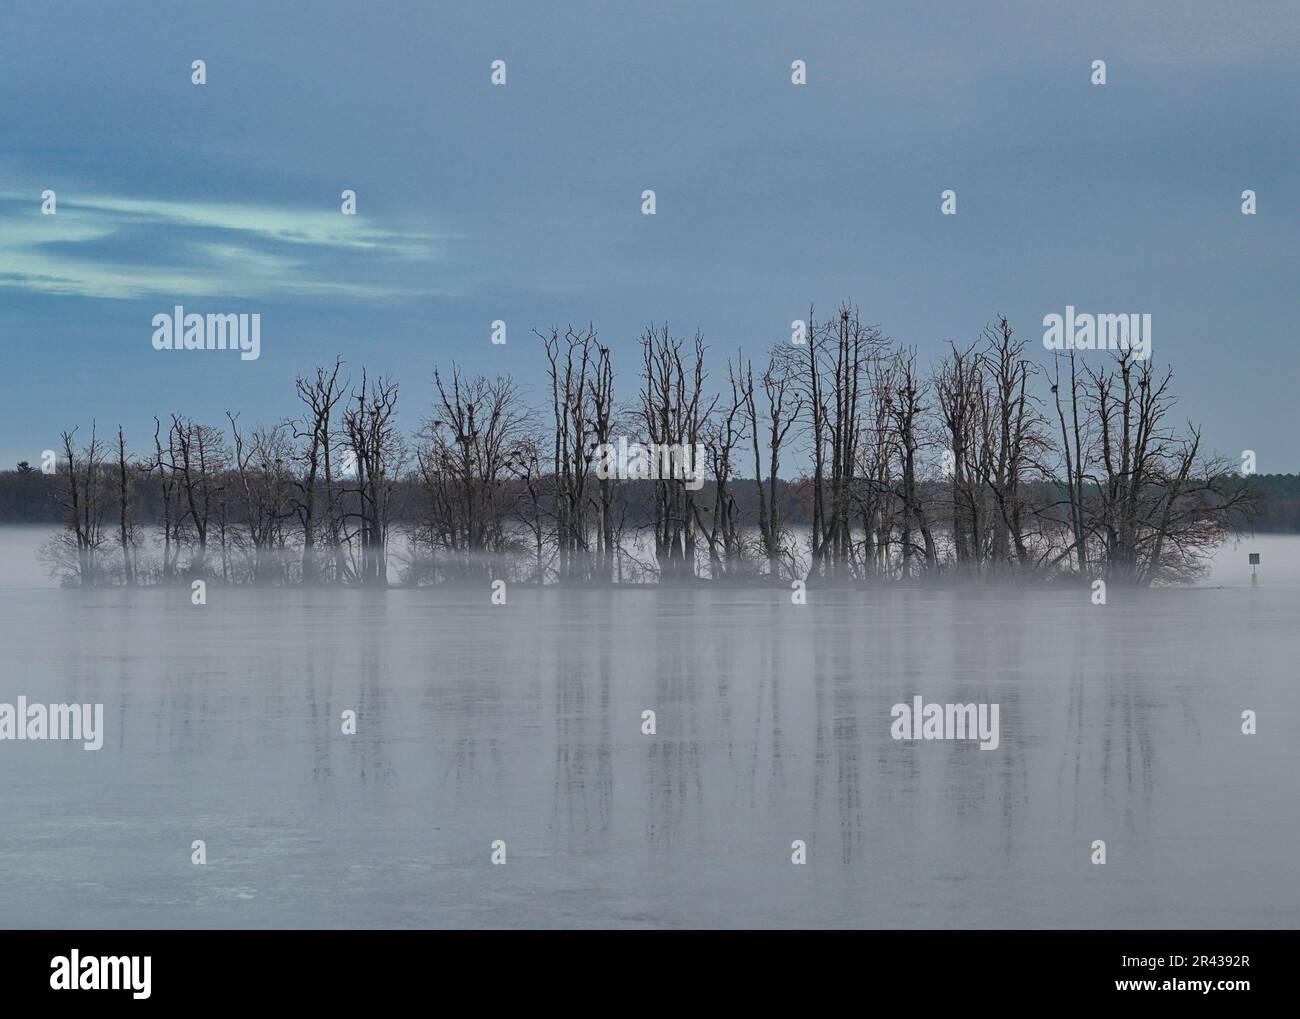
{"x": 522, "y": 723}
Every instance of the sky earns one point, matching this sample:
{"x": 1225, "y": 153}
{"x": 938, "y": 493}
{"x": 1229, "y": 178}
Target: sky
{"x": 522, "y": 202}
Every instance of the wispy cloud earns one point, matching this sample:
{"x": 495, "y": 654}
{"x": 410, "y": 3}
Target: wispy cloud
{"x": 123, "y": 248}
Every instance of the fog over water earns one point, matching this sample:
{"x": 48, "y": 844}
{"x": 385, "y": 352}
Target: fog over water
{"x": 522, "y": 723}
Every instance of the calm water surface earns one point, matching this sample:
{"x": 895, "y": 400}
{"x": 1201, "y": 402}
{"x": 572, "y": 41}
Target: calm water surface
{"x": 523, "y": 723}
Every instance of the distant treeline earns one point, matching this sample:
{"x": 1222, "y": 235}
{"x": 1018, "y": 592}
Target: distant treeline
{"x": 982, "y": 464}
{"x": 30, "y": 497}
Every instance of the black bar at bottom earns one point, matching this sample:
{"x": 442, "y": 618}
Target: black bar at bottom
{"x": 341, "y": 968}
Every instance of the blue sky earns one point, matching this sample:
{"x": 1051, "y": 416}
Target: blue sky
{"x": 522, "y": 202}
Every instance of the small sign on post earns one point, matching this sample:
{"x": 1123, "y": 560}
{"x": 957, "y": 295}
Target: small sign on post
{"x": 1254, "y": 561}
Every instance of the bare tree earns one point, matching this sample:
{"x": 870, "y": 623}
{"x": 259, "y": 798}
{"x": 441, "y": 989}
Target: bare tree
{"x": 1017, "y": 440}
{"x": 199, "y": 460}
{"x": 264, "y": 478}
{"x": 1075, "y": 443}
{"x": 603, "y": 435}
{"x": 320, "y": 396}
{"x": 82, "y": 500}
{"x": 876, "y": 500}
{"x": 125, "y": 511}
{"x": 529, "y": 471}
{"x": 572, "y": 369}
{"x": 673, "y": 413}
{"x": 467, "y": 454}
{"x": 379, "y": 451}
{"x": 908, "y": 411}
{"x": 835, "y": 377}
{"x": 963, "y": 402}
{"x": 722, "y": 436}
{"x": 167, "y": 493}
{"x": 783, "y": 404}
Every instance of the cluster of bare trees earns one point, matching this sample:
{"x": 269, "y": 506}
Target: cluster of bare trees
{"x": 1145, "y": 503}
{"x": 957, "y": 471}
{"x": 989, "y": 464}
